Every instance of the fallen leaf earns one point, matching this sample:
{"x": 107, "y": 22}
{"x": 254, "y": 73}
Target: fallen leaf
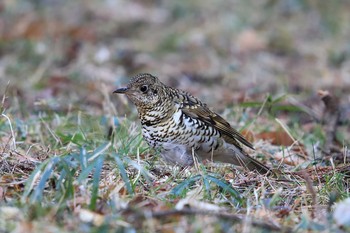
{"x": 200, "y": 205}
{"x": 279, "y": 137}
{"x": 89, "y": 216}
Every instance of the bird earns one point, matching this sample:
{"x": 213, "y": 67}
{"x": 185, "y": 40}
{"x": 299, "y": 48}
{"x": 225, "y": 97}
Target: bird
{"x": 182, "y": 128}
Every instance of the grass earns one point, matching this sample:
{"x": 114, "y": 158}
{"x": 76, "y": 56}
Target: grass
{"x": 85, "y": 181}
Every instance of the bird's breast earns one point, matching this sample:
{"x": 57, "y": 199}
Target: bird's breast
{"x": 181, "y": 129}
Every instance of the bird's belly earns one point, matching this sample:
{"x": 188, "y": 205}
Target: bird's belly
{"x": 183, "y": 130}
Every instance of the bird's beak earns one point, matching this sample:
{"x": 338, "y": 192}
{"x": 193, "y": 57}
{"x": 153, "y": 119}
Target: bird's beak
{"x": 122, "y": 90}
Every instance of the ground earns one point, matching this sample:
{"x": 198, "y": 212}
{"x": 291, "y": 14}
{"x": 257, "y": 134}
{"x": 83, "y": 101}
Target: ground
{"x": 72, "y": 156}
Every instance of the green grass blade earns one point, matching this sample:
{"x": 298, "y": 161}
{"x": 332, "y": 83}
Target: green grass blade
{"x": 180, "y": 188}
{"x": 123, "y": 173}
{"x": 49, "y": 168}
{"x": 144, "y": 172}
{"x": 65, "y": 187}
{"x": 279, "y": 99}
{"x": 31, "y": 180}
{"x": 95, "y": 182}
{"x": 86, "y": 171}
{"x": 99, "y": 151}
{"x": 226, "y": 188}
{"x": 83, "y": 158}
{"x": 207, "y": 186}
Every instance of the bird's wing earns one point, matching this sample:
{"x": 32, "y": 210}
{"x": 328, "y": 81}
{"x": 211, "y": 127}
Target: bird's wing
{"x": 195, "y": 109}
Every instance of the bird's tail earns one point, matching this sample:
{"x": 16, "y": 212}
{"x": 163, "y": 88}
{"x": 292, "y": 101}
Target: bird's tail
{"x": 253, "y": 164}
{"x": 241, "y": 158}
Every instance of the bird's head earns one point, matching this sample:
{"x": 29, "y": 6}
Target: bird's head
{"x": 144, "y": 90}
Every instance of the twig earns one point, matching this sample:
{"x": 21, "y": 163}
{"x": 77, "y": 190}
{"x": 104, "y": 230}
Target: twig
{"x": 296, "y": 142}
{"x": 309, "y": 187}
{"x": 331, "y": 116}
{"x": 315, "y": 115}
{"x": 12, "y": 132}
{"x": 2, "y": 108}
{"x": 229, "y": 216}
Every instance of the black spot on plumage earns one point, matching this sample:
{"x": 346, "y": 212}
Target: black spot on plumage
{"x": 181, "y": 119}
{"x": 216, "y": 146}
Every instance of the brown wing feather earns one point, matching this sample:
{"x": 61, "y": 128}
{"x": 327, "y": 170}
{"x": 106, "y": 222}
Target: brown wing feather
{"x": 201, "y": 112}
{"x": 192, "y": 107}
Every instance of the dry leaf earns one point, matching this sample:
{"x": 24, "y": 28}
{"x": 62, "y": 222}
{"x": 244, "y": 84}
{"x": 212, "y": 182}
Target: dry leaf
{"x": 279, "y": 137}
{"x": 91, "y": 217}
{"x": 199, "y": 205}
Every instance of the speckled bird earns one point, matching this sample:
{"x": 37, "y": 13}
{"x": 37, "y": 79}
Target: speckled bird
{"x": 181, "y": 127}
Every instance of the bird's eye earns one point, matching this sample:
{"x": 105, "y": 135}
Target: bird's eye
{"x": 144, "y": 88}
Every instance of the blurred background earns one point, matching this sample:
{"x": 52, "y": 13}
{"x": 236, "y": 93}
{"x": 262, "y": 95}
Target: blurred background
{"x": 61, "y": 54}
{"x": 277, "y": 70}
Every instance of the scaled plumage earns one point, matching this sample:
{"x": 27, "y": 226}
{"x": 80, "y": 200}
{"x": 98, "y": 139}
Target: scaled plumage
{"x": 180, "y": 126}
